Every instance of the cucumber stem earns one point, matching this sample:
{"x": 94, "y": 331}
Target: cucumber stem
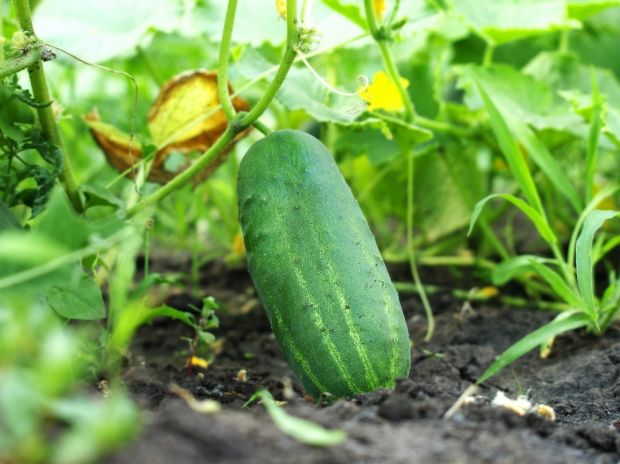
{"x": 19, "y": 63}
{"x": 41, "y": 95}
{"x": 241, "y": 121}
{"x": 381, "y": 36}
{"x": 222, "y": 70}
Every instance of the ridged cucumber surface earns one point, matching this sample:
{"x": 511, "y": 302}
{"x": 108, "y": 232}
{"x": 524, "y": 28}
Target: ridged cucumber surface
{"x": 317, "y": 269}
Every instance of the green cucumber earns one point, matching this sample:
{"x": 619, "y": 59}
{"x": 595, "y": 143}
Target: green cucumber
{"x": 317, "y": 269}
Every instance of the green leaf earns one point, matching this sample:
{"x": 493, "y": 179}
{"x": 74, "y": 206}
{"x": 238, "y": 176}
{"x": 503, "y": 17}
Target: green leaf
{"x": 99, "y": 196}
{"x": 563, "y": 323}
{"x": 501, "y": 21}
{"x": 299, "y": 429}
{"x": 582, "y": 9}
{"x": 593, "y": 139}
{"x": 605, "y": 193}
{"x": 528, "y": 98}
{"x": 20, "y": 249}
{"x": 8, "y": 220}
{"x": 259, "y": 22}
{"x": 539, "y": 221}
{"x": 512, "y": 267}
{"x": 352, "y": 12}
{"x": 558, "y": 284}
{"x": 80, "y": 298}
{"x": 510, "y": 148}
{"x": 302, "y": 91}
{"x": 99, "y": 34}
{"x": 59, "y": 222}
{"x": 612, "y": 243}
{"x": 167, "y": 311}
{"x": 583, "y": 257}
{"x": 554, "y": 171}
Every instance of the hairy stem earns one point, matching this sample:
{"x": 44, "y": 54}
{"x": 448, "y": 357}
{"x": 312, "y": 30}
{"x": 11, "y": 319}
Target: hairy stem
{"x": 381, "y": 37}
{"x": 411, "y": 248}
{"x": 292, "y": 37}
{"x": 21, "y": 62}
{"x": 1, "y": 31}
{"x": 240, "y": 122}
{"x": 468, "y": 295}
{"x": 41, "y": 95}
{"x": 185, "y": 176}
{"x": 222, "y": 70}
{"x": 489, "y": 51}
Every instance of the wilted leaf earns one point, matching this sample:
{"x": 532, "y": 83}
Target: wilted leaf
{"x": 121, "y": 151}
{"x": 185, "y": 118}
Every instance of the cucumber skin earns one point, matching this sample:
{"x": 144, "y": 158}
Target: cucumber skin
{"x": 317, "y": 269}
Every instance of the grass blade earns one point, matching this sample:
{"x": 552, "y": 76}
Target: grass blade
{"x": 591, "y": 206}
{"x": 563, "y": 323}
{"x": 606, "y": 248}
{"x": 539, "y": 221}
{"x": 547, "y": 164}
{"x": 593, "y": 139}
{"x": 301, "y": 430}
{"x": 510, "y": 148}
{"x": 583, "y": 257}
{"x": 513, "y": 267}
{"x": 558, "y": 284}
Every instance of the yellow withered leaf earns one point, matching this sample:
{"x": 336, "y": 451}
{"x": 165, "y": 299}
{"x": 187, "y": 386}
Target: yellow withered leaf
{"x": 186, "y": 115}
{"x": 185, "y": 118}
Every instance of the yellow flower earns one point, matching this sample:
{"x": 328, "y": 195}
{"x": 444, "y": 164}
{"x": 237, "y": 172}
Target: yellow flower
{"x": 379, "y": 7}
{"x": 382, "y": 93}
{"x": 281, "y": 7}
{"x": 199, "y": 362}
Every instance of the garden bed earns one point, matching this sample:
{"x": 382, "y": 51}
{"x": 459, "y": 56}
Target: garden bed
{"x": 580, "y": 380}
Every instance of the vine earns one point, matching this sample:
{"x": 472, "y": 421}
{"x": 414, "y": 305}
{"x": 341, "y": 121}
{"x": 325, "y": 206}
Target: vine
{"x": 41, "y": 95}
{"x": 237, "y": 122}
{"x": 382, "y": 35}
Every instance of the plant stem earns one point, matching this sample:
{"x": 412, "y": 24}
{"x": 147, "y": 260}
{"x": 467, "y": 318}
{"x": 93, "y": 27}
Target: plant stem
{"x": 394, "y": 12}
{"x": 388, "y": 60}
{"x": 240, "y": 122}
{"x": 1, "y": 31}
{"x": 564, "y": 45}
{"x": 468, "y": 295}
{"x": 21, "y": 62}
{"x": 411, "y": 248}
{"x": 261, "y": 127}
{"x": 220, "y": 144}
{"x": 41, "y": 95}
{"x": 456, "y": 261}
{"x": 149, "y": 66}
{"x": 487, "y": 59}
{"x": 394, "y": 75}
{"x": 292, "y": 36}
{"x": 222, "y": 70}
{"x": 437, "y": 126}
{"x": 306, "y": 9}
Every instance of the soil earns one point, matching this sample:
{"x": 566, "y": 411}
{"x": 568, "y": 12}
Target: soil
{"x": 580, "y": 380}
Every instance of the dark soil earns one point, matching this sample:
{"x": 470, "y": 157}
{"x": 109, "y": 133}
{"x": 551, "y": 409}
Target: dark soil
{"x": 580, "y": 381}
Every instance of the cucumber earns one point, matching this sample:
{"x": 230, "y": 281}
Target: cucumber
{"x": 317, "y": 269}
